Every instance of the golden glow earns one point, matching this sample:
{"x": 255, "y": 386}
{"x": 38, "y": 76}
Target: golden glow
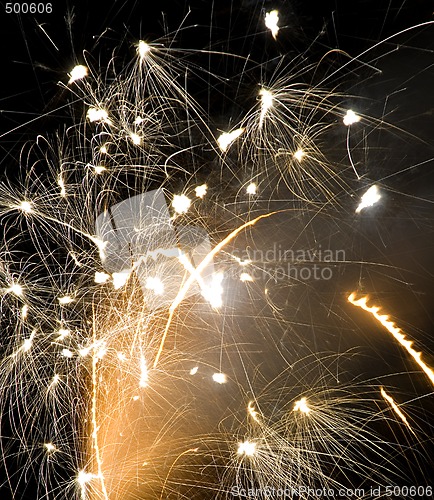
{"x": 83, "y": 478}
{"x": 213, "y": 293}
{"x": 62, "y": 334}
{"x": 155, "y": 284}
{"x": 27, "y": 344}
{"x": 24, "y": 311}
{"x": 50, "y": 448}
{"x": 99, "y": 169}
{"x": 61, "y": 184}
{"x": 144, "y": 376}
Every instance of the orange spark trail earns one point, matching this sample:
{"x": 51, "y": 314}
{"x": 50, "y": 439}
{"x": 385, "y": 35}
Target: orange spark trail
{"x": 394, "y": 330}
{"x": 181, "y": 294}
{"x": 395, "y": 408}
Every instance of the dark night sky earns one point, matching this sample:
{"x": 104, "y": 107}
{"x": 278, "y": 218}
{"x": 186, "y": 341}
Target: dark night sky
{"x": 394, "y": 80}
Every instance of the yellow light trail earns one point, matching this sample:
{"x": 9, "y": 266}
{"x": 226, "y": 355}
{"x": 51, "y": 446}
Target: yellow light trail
{"x": 95, "y": 427}
{"x": 390, "y": 326}
{"x": 207, "y": 259}
{"x": 396, "y": 409}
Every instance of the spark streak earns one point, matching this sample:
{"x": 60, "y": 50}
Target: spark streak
{"x": 390, "y": 326}
{"x": 396, "y": 409}
{"x": 209, "y": 257}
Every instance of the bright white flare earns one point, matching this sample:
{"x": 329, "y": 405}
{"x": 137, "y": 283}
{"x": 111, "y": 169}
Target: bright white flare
{"x": 371, "y": 197}
{"x": 83, "y": 478}
{"x": 271, "y": 20}
{"x": 121, "y": 356}
{"x": 247, "y": 448}
{"x": 27, "y": 344}
{"x": 194, "y": 370}
{"x": 301, "y": 406}
{"x": 252, "y": 188}
{"x": 245, "y": 277}
{"x": 25, "y": 206}
{"x": 99, "y": 169}
{"x": 66, "y": 299}
{"x": 144, "y": 375}
{"x": 24, "y": 311}
{"x": 78, "y": 73}
{"x": 227, "y": 138}
{"x": 143, "y": 48}
{"x": 119, "y": 279}
{"x": 62, "y": 334}
{"x": 97, "y": 115}
{"x": 351, "y": 118}
{"x": 61, "y": 184}
{"x": 16, "y": 289}
{"x": 266, "y": 103}
{"x": 299, "y": 154}
{"x": 201, "y": 190}
{"x": 219, "y": 378}
{"x": 136, "y": 139}
{"x": 155, "y": 284}
{"x": 213, "y": 293}
{"x": 181, "y": 203}
{"x": 101, "y": 277}
{"x": 50, "y": 447}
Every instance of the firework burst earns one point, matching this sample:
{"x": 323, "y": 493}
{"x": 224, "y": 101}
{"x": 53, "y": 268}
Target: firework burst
{"x": 150, "y": 347}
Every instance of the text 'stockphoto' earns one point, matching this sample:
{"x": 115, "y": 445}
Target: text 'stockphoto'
{"x": 216, "y": 253}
